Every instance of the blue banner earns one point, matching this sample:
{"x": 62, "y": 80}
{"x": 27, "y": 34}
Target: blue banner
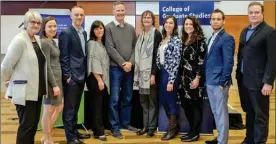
{"x": 181, "y": 9}
{"x": 207, "y": 122}
{"x": 63, "y": 21}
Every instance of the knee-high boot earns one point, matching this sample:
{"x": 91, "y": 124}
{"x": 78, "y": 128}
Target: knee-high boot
{"x": 173, "y": 128}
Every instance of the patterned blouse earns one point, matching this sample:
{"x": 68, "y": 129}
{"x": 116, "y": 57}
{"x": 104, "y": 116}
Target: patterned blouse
{"x": 191, "y": 65}
{"x": 172, "y": 54}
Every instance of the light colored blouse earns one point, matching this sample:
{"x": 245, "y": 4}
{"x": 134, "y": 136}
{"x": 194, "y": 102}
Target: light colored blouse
{"x": 98, "y": 61}
{"x": 162, "y": 53}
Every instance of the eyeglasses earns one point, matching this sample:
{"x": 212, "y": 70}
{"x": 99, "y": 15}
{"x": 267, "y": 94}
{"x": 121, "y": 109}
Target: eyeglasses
{"x": 34, "y": 22}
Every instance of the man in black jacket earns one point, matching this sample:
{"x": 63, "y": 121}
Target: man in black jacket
{"x": 255, "y": 74}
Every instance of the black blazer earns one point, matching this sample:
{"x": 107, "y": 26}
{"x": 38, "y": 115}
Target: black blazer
{"x": 157, "y": 40}
{"x": 255, "y": 54}
{"x": 73, "y": 60}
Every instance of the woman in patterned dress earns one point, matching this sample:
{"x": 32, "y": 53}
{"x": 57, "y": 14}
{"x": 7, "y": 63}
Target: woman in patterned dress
{"x": 191, "y": 69}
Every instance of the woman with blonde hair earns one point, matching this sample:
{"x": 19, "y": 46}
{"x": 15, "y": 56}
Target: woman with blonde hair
{"x": 24, "y": 71}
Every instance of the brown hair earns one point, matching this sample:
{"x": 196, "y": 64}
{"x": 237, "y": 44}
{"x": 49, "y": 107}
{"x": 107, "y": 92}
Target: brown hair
{"x": 218, "y": 11}
{"x": 257, "y": 4}
{"x": 76, "y": 7}
{"x": 196, "y": 35}
{"x": 44, "y": 22}
{"x": 118, "y": 3}
{"x": 175, "y": 28}
{"x": 146, "y": 13}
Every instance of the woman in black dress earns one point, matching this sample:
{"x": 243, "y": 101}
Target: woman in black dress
{"x": 191, "y": 69}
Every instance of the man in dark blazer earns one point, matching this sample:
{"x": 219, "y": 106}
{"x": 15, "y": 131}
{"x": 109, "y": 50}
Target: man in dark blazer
{"x": 255, "y": 74}
{"x": 73, "y": 59}
{"x": 218, "y": 68}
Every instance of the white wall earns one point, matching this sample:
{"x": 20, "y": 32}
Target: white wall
{"x": 9, "y": 28}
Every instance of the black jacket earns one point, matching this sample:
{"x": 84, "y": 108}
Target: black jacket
{"x": 257, "y": 56}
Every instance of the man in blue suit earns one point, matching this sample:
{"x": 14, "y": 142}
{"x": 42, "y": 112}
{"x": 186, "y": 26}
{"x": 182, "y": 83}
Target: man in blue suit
{"x": 73, "y": 57}
{"x": 218, "y": 68}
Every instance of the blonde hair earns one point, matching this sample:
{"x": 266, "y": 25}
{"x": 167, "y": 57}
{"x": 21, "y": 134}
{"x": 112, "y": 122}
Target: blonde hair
{"x": 31, "y": 15}
{"x": 118, "y": 3}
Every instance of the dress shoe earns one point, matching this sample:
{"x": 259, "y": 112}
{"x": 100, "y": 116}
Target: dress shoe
{"x": 190, "y": 138}
{"x": 131, "y": 128}
{"x": 83, "y": 136}
{"x": 184, "y": 136}
{"x": 244, "y": 141}
{"x": 75, "y": 142}
{"x": 102, "y": 138}
{"x": 141, "y": 132}
{"x": 150, "y": 133}
{"x": 214, "y": 141}
{"x": 117, "y": 135}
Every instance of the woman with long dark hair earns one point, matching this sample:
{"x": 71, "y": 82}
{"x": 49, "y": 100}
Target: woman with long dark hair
{"x": 191, "y": 69}
{"x": 98, "y": 76}
{"x": 168, "y": 60}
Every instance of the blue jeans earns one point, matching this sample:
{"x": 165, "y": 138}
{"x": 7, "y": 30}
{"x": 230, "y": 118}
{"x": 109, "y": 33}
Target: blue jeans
{"x": 168, "y": 99}
{"x": 120, "y": 81}
{"x": 218, "y": 100}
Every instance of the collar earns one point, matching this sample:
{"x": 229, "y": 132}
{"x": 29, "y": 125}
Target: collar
{"x": 118, "y": 24}
{"x": 78, "y": 30}
{"x": 249, "y": 27}
{"x": 216, "y": 33}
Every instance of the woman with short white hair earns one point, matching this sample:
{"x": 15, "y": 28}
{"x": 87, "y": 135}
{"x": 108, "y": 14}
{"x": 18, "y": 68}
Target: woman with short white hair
{"x": 24, "y": 71}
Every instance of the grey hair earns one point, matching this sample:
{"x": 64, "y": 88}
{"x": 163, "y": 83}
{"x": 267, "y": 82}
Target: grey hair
{"x": 31, "y": 15}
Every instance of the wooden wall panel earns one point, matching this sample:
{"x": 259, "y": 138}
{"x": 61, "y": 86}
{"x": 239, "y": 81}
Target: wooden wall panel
{"x": 269, "y": 12}
{"x": 234, "y": 25}
{"x": 105, "y": 8}
{"x": 20, "y": 8}
{"x": 138, "y": 23}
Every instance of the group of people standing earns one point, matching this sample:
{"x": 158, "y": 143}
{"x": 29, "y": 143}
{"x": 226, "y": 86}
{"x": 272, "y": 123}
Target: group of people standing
{"x": 161, "y": 65}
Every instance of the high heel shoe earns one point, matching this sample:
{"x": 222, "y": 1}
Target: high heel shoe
{"x": 48, "y": 142}
{"x": 42, "y": 140}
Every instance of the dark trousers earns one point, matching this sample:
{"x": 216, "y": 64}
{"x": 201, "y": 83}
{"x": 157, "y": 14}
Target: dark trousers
{"x": 28, "y": 120}
{"x": 243, "y": 93}
{"x": 149, "y": 104}
{"x": 96, "y": 105}
{"x": 257, "y": 115}
{"x": 72, "y": 98}
{"x": 193, "y": 112}
{"x": 121, "y": 82}
{"x": 168, "y": 99}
